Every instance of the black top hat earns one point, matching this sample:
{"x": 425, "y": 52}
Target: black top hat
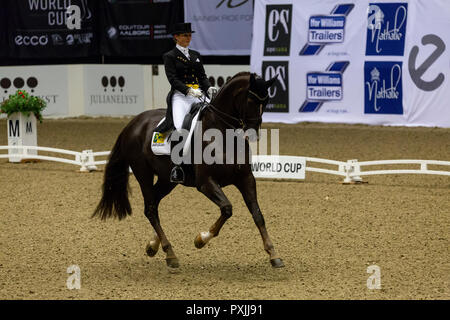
{"x": 182, "y": 28}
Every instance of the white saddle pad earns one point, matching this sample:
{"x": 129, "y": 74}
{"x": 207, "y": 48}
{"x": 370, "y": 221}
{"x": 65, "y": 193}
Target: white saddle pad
{"x": 161, "y": 141}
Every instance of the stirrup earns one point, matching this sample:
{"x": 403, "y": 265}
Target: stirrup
{"x": 177, "y": 175}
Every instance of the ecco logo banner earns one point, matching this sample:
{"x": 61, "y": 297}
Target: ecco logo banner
{"x": 278, "y": 93}
{"x": 278, "y": 30}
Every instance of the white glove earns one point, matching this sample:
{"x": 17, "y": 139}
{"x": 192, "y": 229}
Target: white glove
{"x": 196, "y": 93}
{"x": 212, "y": 91}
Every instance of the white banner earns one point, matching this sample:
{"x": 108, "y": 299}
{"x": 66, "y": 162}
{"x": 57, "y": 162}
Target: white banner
{"x": 278, "y": 167}
{"x": 374, "y": 62}
{"x": 47, "y": 82}
{"x": 113, "y": 89}
{"x": 222, "y": 27}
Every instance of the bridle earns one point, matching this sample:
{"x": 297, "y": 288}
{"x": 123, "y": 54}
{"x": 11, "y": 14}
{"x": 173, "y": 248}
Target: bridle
{"x": 242, "y": 121}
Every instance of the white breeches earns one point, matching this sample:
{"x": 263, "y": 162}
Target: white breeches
{"x": 181, "y": 105}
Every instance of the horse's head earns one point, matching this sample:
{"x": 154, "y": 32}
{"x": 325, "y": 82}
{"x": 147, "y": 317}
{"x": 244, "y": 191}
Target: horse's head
{"x": 257, "y": 98}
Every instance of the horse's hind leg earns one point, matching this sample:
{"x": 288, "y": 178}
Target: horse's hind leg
{"x": 213, "y": 191}
{"x": 151, "y": 212}
{"x": 161, "y": 189}
{"x": 247, "y": 186}
{"x": 152, "y": 196}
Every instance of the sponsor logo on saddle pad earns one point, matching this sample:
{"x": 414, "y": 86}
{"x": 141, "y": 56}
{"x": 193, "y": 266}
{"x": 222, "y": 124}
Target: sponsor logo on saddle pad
{"x": 159, "y": 138}
{"x": 161, "y": 143}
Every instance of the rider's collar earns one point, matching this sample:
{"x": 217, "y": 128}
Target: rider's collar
{"x": 184, "y": 50}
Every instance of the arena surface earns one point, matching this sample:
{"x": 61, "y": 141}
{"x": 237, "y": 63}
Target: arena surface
{"x": 326, "y": 233}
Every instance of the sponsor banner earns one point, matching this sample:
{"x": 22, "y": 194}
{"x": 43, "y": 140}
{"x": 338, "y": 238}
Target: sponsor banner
{"x": 386, "y": 24}
{"x": 222, "y": 27}
{"x": 39, "y": 28}
{"x": 383, "y": 92}
{"x": 278, "y": 93}
{"x": 47, "y": 82}
{"x": 278, "y": 167}
{"x": 375, "y": 62}
{"x": 138, "y": 28}
{"x": 277, "y": 38}
{"x": 113, "y": 90}
{"x": 3, "y": 32}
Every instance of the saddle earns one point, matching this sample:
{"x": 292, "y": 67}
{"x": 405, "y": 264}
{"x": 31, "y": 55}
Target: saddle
{"x": 161, "y": 141}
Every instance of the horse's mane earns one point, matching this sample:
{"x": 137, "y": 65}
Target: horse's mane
{"x": 242, "y": 73}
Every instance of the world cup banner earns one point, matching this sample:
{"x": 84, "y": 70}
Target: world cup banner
{"x": 46, "y": 29}
{"x": 373, "y": 62}
{"x": 222, "y": 27}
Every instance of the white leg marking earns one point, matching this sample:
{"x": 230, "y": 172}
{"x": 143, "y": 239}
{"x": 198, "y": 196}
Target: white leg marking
{"x": 206, "y": 236}
{"x": 154, "y": 243}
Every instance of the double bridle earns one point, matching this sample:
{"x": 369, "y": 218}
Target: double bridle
{"x": 242, "y": 120}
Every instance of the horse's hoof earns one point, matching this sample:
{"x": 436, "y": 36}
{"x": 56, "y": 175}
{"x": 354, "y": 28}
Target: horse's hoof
{"x": 172, "y": 262}
{"x": 151, "y": 251}
{"x": 198, "y": 242}
{"x": 277, "y": 263}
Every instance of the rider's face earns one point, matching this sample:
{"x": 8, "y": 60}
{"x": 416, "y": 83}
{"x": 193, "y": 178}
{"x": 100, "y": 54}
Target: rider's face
{"x": 183, "y": 39}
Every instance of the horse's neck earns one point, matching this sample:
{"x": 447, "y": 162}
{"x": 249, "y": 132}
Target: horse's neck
{"x": 226, "y": 99}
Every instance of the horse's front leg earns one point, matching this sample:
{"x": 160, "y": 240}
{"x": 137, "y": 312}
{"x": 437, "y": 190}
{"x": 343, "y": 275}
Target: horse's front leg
{"x": 213, "y": 191}
{"x": 247, "y": 186}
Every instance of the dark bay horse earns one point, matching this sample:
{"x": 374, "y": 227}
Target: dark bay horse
{"x": 239, "y": 104}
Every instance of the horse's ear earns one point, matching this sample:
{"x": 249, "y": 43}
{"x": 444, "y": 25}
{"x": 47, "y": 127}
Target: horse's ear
{"x": 270, "y": 82}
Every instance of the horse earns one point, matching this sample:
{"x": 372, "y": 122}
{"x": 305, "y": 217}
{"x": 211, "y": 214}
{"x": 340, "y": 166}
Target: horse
{"x": 238, "y": 104}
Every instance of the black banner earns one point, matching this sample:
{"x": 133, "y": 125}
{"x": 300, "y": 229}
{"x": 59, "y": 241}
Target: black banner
{"x": 279, "y": 92}
{"x": 3, "y": 31}
{"x": 138, "y": 28}
{"x": 39, "y": 28}
{"x": 277, "y": 40}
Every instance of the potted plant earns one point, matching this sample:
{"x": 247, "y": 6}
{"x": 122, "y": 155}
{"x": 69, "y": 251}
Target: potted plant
{"x": 22, "y": 102}
{"x": 22, "y": 110}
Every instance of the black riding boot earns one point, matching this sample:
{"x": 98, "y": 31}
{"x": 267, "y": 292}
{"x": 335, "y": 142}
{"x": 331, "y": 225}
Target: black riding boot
{"x": 177, "y": 174}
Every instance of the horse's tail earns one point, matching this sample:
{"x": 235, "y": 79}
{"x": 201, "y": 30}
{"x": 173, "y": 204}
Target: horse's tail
{"x": 114, "y": 202}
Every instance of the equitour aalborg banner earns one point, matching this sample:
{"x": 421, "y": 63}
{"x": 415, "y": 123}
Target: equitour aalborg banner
{"x": 138, "y": 28}
{"x": 374, "y": 62}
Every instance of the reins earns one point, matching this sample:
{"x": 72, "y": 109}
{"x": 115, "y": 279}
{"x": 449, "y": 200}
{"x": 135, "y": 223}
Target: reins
{"x": 220, "y": 114}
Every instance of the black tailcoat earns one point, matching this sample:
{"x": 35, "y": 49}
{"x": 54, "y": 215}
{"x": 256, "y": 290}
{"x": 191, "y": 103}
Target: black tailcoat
{"x": 181, "y": 72}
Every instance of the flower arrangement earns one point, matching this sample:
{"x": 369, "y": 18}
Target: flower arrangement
{"x": 21, "y": 101}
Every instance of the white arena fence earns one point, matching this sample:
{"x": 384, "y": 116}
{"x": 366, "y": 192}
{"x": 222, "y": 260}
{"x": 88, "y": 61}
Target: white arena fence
{"x": 349, "y": 170}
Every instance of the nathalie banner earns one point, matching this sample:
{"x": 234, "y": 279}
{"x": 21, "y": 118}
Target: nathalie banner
{"x": 374, "y": 62}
